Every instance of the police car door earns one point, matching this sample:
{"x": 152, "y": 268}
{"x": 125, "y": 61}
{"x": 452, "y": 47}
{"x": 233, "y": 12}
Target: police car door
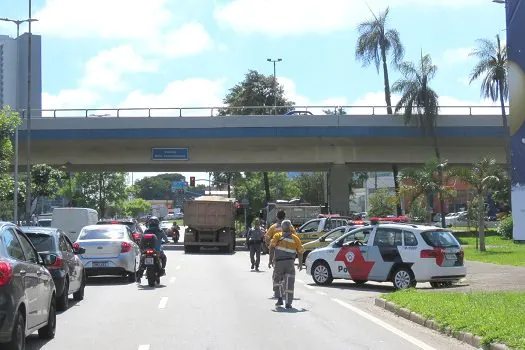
{"x": 350, "y": 260}
{"x": 385, "y": 252}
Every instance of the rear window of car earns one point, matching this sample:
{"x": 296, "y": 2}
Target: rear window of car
{"x": 440, "y": 239}
{"x": 42, "y": 242}
{"x": 100, "y": 233}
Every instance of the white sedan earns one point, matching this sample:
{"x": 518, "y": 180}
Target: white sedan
{"x": 110, "y": 250}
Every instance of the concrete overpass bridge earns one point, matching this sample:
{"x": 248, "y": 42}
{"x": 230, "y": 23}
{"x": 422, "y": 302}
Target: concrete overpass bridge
{"x": 167, "y": 140}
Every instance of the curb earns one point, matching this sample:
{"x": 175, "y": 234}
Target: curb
{"x": 465, "y": 337}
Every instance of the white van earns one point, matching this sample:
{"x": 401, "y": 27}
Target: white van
{"x": 72, "y": 220}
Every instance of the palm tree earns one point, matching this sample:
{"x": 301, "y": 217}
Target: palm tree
{"x": 484, "y": 176}
{"x": 418, "y": 97}
{"x": 374, "y": 44}
{"x": 421, "y": 184}
{"x": 492, "y": 66}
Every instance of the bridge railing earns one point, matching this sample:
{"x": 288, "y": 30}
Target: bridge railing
{"x": 247, "y": 110}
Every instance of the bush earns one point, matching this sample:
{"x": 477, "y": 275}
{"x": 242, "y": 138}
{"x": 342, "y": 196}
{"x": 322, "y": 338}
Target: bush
{"x": 504, "y": 228}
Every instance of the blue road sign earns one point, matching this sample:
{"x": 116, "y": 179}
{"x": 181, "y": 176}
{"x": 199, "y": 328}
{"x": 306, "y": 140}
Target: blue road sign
{"x": 169, "y": 154}
{"x": 178, "y": 185}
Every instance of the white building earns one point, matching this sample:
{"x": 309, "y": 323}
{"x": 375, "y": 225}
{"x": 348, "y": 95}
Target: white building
{"x": 10, "y": 73}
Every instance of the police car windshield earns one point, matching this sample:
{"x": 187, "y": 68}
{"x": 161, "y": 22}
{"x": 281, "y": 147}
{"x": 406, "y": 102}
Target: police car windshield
{"x": 440, "y": 239}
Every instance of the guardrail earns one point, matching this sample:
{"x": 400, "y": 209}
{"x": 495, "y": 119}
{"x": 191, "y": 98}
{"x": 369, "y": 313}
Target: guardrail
{"x": 246, "y": 110}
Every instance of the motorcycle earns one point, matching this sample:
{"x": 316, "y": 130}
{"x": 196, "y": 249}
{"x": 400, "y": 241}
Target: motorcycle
{"x": 175, "y": 234}
{"x": 150, "y": 261}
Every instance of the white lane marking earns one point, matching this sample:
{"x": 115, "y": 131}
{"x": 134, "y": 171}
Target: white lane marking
{"x": 144, "y": 347}
{"x": 320, "y": 293}
{"x": 300, "y": 281}
{"x": 178, "y": 267}
{"x": 163, "y": 302}
{"x": 385, "y": 325}
{"x": 172, "y": 280}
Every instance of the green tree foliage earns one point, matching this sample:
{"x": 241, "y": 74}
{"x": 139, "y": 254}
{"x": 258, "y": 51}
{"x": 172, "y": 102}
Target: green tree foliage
{"x": 311, "y": 186}
{"x": 484, "y": 176}
{"x": 335, "y": 111}
{"x": 99, "y": 190}
{"x": 156, "y": 187}
{"x": 256, "y": 90}
{"x": 225, "y": 180}
{"x": 382, "y": 203}
{"x": 9, "y": 120}
{"x": 45, "y": 180}
{"x": 251, "y": 187}
{"x": 136, "y": 207}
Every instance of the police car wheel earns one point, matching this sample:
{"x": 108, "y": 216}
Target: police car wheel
{"x": 403, "y": 279}
{"x": 321, "y": 273}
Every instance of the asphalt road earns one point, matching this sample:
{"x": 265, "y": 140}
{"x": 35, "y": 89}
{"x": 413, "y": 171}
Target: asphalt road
{"x": 213, "y": 301}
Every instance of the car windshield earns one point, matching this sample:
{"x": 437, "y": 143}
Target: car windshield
{"x": 100, "y": 233}
{"x": 44, "y": 223}
{"x": 42, "y": 241}
{"x": 440, "y": 239}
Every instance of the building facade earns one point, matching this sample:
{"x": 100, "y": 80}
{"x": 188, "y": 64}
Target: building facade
{"x": 13, "y": 94}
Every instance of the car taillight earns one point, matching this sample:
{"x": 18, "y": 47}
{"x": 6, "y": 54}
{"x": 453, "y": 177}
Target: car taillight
{"x": 56, "y": 265}
{"x": 125, "y": 247}
{"x": 149, "y": 252}
{"x": 6, "y": 271}
{"x": 76, "y": 246}
{"x": 136, "y": 236}
{"x": 436, "y": 253}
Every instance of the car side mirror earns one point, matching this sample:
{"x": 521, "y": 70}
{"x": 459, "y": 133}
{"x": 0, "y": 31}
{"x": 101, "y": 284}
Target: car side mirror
{"x": 48, "y": 258}
{"x": 322, "y": 239}
{"x": 79, "y": 250}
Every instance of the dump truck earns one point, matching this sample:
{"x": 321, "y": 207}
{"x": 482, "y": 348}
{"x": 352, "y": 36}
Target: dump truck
{"x": 210, "y": 222}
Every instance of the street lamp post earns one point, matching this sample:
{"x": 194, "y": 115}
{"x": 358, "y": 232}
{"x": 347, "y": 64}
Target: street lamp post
{"x": 28, "y": 114}
{"x": 274, "y": 83}
{"x": 17, "y": 108}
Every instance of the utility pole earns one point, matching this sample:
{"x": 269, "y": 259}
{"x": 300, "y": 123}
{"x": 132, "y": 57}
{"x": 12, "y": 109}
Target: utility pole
{"x": 274, "y": 83}
{"x": 17, "y": 109}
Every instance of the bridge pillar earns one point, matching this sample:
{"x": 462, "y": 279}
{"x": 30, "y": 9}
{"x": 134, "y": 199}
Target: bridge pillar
{"x": 339, "y": 191}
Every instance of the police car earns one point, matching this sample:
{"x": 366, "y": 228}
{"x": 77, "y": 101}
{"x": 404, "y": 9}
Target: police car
{"x": 403, "y": 254}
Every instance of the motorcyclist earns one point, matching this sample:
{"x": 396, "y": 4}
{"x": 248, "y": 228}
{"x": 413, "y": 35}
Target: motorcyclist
{"x": 154, "y": 227}
{"x": 175, "y": 230}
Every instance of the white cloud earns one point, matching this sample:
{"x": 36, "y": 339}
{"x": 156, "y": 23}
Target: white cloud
{"x": 106, "y": 70}
{"x": 69, "y": 99}
{"x": 189, "y": 39}
{"x": 458, "y": 55}
{"x": 289, "y": 17}
{"x": 115, "y": 19}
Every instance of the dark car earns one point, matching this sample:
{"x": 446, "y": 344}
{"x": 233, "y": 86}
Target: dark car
{"x": 67, "y": 268}
{"x": 294, "y": 112}
{"x": 133, "y": 225}
{"x": 27, "y": 291}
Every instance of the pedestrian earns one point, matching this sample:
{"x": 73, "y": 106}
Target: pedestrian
{"x": 284, "y": 247}
{"x": 254, "y": 240}
{"x": 272, "y": 231}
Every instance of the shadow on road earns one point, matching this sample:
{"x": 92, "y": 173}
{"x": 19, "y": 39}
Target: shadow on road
{"x": 146, "y": 287}
{"x": 293, "y": 310}
{"x": 372, "y": 288}
{"x": 107, "y": 281}
{"x": 35, "y": 343}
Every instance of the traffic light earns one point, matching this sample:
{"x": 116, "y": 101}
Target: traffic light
{"x": 192, "y": 181}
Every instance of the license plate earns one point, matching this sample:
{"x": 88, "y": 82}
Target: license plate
{"x": 451, "y": 256}
{"x": 149, "y": 261}
{"x": 100, "y": 264}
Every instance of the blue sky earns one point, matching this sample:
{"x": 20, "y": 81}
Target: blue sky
{"x": 182, "y": 53}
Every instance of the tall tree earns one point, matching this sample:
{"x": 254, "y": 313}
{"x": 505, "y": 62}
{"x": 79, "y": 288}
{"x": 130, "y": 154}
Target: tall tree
{"x": 492, "y": 68}
{"x": 256, "y": 90}
{"x": 418, "y": 97}
{"x": 227, "y": 179}
{"x": 484, "y": 176}
{"x": 98, "y": 190}
{"x": 374, "y": 44}
{"x": 9, "y": 120}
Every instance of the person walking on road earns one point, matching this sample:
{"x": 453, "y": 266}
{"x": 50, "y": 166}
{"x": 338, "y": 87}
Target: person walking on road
{"x": 254, "y": 240}
{"x": 284, "y": 247}
{"x": 272, "y": 231}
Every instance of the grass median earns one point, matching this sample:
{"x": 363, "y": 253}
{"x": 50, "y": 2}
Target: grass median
{"x": 495, "y": 316}
{"x": 499, "y": 251}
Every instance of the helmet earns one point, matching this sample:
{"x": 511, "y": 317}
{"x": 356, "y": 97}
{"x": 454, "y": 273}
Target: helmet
{"x": 153, "y": 221}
